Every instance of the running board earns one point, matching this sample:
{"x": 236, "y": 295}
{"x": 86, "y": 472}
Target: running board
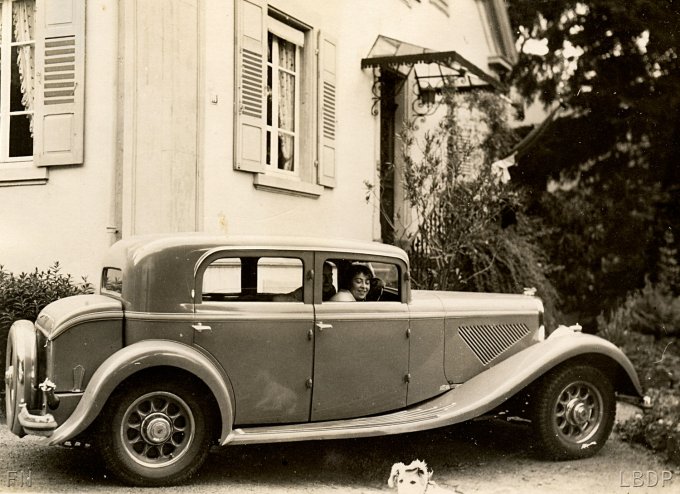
{"x": 449, "y": 408}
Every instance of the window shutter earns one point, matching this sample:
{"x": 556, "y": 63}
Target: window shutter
{"x": 327, "y": 123}
{"x": 59, "y": 82}
{"x": 251, "y": 72}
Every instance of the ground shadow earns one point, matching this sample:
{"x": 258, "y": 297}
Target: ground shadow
{"x": 366, "y": 462}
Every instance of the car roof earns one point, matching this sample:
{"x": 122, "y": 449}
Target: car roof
{"x": 137, "y": 247}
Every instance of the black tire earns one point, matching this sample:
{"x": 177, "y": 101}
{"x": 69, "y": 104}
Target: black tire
{"x": 153, "y": 434}
{"x": 573, "y": 412}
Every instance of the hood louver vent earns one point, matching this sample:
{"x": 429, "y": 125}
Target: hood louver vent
{"x": 488, "y": 341}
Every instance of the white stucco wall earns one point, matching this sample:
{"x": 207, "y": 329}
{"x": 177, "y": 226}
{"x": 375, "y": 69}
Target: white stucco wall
{"x": 230, "y": 202}
{"x": 65, "y": 219}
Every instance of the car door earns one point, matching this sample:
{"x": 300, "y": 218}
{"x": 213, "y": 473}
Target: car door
{"x": 360, "y": 348}
{"x": 253, "y": 313}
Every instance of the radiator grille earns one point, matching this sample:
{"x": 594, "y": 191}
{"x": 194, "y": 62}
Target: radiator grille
{"x": 488, "y": 341}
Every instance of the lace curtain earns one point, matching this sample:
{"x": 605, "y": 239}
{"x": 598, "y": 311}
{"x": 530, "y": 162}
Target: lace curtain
{"x": 287, "y": 53}
{"x": 24, "y": 24}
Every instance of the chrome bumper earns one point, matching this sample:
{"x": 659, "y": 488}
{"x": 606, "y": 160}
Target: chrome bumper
{"x": 36, "y": 425}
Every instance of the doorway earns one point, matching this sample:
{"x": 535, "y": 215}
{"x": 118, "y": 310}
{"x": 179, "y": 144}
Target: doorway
{"x": 392, "y": 107}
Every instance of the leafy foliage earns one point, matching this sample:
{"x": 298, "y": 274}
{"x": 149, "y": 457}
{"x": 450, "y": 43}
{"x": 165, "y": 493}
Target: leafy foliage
{"x": 646, "y": 326}
{"x": 469, "y": 230}
{"x": 614, "y": 153}
{"x": 597, "y": 243}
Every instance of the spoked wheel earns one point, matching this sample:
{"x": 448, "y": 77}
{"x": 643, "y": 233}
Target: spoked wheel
{"x": 573, "y": 413}
{"x": 155, "y": 434}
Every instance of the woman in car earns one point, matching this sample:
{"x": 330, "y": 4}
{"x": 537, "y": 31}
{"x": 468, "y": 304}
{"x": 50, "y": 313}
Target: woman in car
{"x": 358, "y": 283}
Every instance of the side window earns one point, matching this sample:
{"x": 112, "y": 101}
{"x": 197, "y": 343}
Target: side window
{"x": 253, "y": 279}
{"x": 346, "y": 280}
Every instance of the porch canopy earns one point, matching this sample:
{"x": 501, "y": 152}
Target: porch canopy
{"x": 448, "y": 66}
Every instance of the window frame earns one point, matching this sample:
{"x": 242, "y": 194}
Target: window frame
{"x": 7, "y": 68}
{"x": 19, "y": 170}
{"x": 280, "y": 30}
{"x": 317, "y": 121}
{"x": 304, "y": 257}
{"x": 58, "y": 108}
{"x": 331, "y": 257}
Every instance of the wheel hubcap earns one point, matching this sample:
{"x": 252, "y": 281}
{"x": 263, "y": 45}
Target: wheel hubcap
{"x": 158, "y": 429}
{"x": 578, "y": 412}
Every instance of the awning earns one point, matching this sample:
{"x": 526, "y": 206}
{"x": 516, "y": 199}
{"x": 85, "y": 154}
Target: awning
{"x": 450, "y": 66}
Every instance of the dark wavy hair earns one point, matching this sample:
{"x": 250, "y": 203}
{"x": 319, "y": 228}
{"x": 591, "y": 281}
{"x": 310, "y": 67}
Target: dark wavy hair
{"x": 353, "y": 270}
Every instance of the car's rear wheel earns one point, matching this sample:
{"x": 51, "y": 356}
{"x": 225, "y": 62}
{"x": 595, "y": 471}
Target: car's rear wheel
{"x": 573, "y": 412}
{"x": 155, "y": 434}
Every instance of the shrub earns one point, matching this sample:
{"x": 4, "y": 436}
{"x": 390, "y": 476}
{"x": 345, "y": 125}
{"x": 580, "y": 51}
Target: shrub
{"x": 659, "y": 427}
{"x": 651, "y": 310}
{"x": 640, "y": 326}
{"x": 24, "y": 296}
{"x": 468, "y": 229}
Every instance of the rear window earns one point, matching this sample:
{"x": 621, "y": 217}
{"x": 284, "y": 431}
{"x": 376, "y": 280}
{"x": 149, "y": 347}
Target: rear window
{"x": 112, "y": 281}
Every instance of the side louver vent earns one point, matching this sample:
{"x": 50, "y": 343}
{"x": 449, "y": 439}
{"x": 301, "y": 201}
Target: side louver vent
{"x": 488, "y": 341}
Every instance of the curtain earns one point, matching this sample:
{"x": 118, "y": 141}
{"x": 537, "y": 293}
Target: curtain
{"x": 24, "y": 23}
{"x": 286, "y": 61}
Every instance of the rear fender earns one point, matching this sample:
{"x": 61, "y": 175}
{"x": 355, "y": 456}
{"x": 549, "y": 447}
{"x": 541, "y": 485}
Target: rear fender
{"x": 135, "y": 358}
{"x": 492, "y": 387}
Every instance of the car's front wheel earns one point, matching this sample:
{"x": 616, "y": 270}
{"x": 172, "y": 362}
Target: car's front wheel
{"x": 573, "y": 411}
{"x": 155, "y": 434}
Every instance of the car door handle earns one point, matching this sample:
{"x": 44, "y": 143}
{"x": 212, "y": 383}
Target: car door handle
{"x": 323, "y": 326}
{"x": 200, "y": 327}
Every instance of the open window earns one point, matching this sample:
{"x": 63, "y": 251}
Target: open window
{"x": 286, "y": 101}
{"x": 384, "y": 279}
{"x": 41, "y": 87}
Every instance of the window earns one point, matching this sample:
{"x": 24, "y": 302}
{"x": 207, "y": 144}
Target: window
{"x": 41, "y": 90}
{"x": 17, "y": 69}
{"x": 285, "y": 93}
{"x": 384, "y": 280}
{"x": 284, "y": 46}
{"x": 253, "y": 279}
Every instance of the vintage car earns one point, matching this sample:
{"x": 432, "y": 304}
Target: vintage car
{"x": 193, "y": 340}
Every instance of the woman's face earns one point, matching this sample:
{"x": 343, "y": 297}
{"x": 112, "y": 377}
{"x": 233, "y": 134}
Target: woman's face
{"x": 360, "y": 285}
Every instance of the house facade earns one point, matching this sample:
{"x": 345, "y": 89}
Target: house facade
{"x": 128, "y": 117}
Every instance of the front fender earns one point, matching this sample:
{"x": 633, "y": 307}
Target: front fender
{"x": 137, "y": 357}
{"x": 492, "y": 387}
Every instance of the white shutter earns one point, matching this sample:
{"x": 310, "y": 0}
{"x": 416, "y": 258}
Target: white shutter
{"x": 327, "y": 118}
{"x": 59, "y": 82}
{"x": 251, "y": 72}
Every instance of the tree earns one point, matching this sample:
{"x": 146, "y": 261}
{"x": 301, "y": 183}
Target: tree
{"x": 614, "y": 153}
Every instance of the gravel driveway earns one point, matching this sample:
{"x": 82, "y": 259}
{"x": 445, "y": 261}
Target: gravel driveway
{"x": 479, "y": 457}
